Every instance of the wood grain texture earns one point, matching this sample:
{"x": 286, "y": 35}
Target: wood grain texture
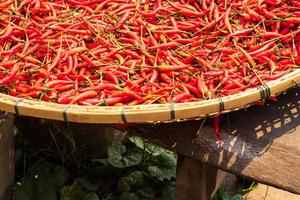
{"x": 261, "y": 142}
{"x": 195, "y": 180}
{"x": 7, "y": 170}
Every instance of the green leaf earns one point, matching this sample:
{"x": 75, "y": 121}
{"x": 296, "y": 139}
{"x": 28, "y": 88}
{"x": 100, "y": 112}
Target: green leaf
{"x": 132, "y": 181}
{"x": 111, "y": 196}
{"x": 237, "y": 197}
{"x": 162, "y": 173}
{"x": 24, "y": 189}
{"x": 59, "y": 177}
{"x": 129, "y": 196}
{"x": 107, "y": 171}
{"x": 139, "y": 142}
{"x": 149, "y": 147}
{"x": 86, "y": 184}
{"x": 41, "y": 183}
{"x": 121, "y": 157}
{"x": 144, "y": 194}
{"x": 100, "y": 161}
{"x": 146, "y": 146}
{"x": 222, "y": 195}
{"x": 164, "y": 166}
{"x": 165, "y": 159}
{"x": 35, "y": 188}
{"x": 76, "y": 192}
{"x": 42, "y": 167}
{"x": 147, "y": 193}
{"x": 138, "y": 183}
{"x": 168, "y": 191}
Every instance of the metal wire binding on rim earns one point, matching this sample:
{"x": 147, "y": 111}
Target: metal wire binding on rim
{"x": 173, "y": 111}
{"x": 16, "y": 106}
{"x": 123, "y": 116}
{"x": 222, "y": 105}
{"x": 65, "y": 114}
{"x": 265, "y": 91}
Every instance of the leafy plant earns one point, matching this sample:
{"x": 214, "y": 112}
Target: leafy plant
{"x": 121, "y": 156}
{"x": 131, "y": 169}
{"x": 43, "y": 182}
{"x": 77, "y": 192}
{"x": 222, "y": 195}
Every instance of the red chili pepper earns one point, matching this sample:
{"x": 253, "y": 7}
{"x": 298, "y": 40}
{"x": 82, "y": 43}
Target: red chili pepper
{"x": 185, "y": 11}
{"x": 193, "y": 90}
{"x": 7, "y": 33}
{"x": 180, "y": 97}
{"x": 201, "y": 85}
{"x": 83, "y": 96}
{"x": 294, "y": 20}
{"x": 53, "y": 83}
{"x": 128, "y": 94}
{"x": 216, "y": 120}
{"x": 260, "y": 48}
{"x": 11, "y": 77}
{"x": 154, "y": 76}
{"x": 76, "y": 50}
{"x": 168, "y": 68}
{"x": 113, "y": 100}
{"x": 149, "y": 52}
{"x": 106, "y": 86}
{"x": 120, "y": 22}
{"x": 276, "y": 76}
{"x": 110, "y": 76}
{"x": 249, "y": 57}
{"x": 55, "y": 61}
{"x": 63, "y": 88}
{"x": 164, "y": 46}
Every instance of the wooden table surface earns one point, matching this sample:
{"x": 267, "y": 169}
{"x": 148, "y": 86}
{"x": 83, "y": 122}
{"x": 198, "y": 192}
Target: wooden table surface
{"x": 261, "y": 142}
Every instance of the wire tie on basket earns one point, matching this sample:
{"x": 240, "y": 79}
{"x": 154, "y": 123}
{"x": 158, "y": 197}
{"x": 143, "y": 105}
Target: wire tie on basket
{"x": 265, "y": 91}
{"x": 262, "y": 93}
{"x": 123, "y": 116}
{"x": 268, "y": 90}
{"x": 17, "y": 108}
{"x": 65, "y": 114}
{"x": 222, "y": 105}
{"x": 173, "y": 112}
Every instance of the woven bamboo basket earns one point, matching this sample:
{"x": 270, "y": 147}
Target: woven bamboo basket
{"x": 147, "y": 113}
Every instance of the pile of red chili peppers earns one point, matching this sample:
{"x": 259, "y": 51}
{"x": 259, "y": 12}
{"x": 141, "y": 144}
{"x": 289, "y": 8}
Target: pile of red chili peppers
{"x": 129, "y": 52}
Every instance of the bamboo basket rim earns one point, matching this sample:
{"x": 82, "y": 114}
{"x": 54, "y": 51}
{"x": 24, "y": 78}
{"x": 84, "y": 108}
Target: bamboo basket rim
{"x": 152, "y": 113}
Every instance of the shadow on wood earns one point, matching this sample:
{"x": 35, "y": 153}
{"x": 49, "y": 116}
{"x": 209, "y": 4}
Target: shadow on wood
{"x": 261, "y": 142}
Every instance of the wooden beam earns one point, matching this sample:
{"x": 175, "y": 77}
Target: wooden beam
{"x": 195, "y": 180}
{"x": 261, "y": 142}
{"x": 7, "y": 170}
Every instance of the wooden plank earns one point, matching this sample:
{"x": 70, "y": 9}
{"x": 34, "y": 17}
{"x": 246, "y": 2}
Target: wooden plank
{"x": 261, "y": 143}
{"x": 195, "y": 180}
{"x": 7, "y": 170}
